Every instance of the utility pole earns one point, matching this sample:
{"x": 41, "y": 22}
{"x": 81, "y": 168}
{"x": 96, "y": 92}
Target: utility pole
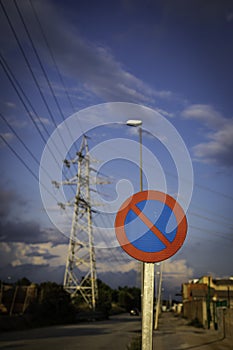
{"x": 147, "y": 270}
{"x": 80, "y": 273}
{"x": 208, "y": 305}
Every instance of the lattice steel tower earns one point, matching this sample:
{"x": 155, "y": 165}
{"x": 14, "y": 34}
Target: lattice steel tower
{"x": 80, "y": 273}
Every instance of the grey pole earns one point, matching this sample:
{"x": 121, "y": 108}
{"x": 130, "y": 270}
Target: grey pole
{"x": 138, "y": 123}
{"x": 140, "y": 140}
{"x": 147, "y": 273}
{"x": 147, "y": 310}
{"x": 141, "y": 189}
{"x": 147, "y": 292}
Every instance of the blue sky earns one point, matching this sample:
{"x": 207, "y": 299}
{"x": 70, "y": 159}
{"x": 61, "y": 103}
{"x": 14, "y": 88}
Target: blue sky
{"x": 172, "y": 56}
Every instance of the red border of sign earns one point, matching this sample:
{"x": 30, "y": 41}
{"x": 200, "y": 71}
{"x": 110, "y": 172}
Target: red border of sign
{"x": 171, "y": 247}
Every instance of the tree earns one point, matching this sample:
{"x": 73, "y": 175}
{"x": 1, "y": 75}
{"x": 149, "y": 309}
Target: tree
{"x": 54, "y": 305}
{"x": 129, "y": 297}
{"x": 104, "y": 302}
{"x": 23, "y": 282}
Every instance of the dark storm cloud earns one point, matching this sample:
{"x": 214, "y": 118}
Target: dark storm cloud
{"x": 15, "y": 229}
{"x": 9, "y": 199}
{"x": 46, "y": 255}
{"x": 29, "y": 232}
{"x": 5, "y": 203}
{"x": 212, "y": 258}
{"x": 35, "y": 273}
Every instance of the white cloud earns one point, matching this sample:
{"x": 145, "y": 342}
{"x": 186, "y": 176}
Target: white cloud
{"x": 176, "y": 272}
{"x": 92, "y": 65}
{"x": 177, "y": 269}
{"x": 218, "y": 146}
{"x": 122, "y": 267}
{"x": 10, "y": 104}
{"x": 18, "y": 253}
{"x": 206, "y": 114}
{"x": 165, "y": 113}
{"x": 5, "y": 247}
{"x": 18, "y": 123}
{"x": 109, "y": 262}
{"x": 42, "y": 120}
{"x": 6, "y": 136}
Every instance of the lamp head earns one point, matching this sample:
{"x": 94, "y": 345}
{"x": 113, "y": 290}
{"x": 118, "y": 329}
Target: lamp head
{"x": 134, "y": 122}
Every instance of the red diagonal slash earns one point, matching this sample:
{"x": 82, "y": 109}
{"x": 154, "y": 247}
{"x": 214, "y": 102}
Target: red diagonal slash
{"x": 170, "y": 247}
{"x": 150, "y": 225}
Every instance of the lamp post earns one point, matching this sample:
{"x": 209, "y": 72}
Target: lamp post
{"x": 147, "y": 272}
{"x": 138, "y": 123}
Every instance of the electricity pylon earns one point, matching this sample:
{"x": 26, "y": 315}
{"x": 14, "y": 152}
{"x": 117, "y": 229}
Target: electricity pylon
{"x": 80, "y": 273}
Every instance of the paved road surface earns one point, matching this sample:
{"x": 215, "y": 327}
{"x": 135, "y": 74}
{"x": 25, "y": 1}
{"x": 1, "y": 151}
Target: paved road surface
{"x": 113, "y": 334}
{"x": 175, "y": 334}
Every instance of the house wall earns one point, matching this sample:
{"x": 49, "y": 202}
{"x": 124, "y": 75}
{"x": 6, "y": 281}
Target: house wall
{"x": 225, "y": 322}
{"x": 195, "y": 309}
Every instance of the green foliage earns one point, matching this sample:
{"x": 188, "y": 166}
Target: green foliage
{"x": 54, "y": 305}
{"x": 23, "y": 282}
{"x": 129, "y": 297}
{"x": 104, "y": 303}
{"x": 125, "y": 297}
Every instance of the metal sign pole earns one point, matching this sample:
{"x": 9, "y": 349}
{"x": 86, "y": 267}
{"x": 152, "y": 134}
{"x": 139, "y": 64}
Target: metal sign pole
{"x": 148, "y": 307}
{"x": 123, "y": 220}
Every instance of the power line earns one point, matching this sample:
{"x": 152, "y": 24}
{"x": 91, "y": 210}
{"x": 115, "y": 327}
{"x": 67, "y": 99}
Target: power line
{"x": 25, "y": 164}
{"x": 211, "y": 232}
{"x": 25, "y": 57}
{"x": 24, "y": 144}
{"x": 52, "y": 55}
{"x": 19, "y": 157}
{"x": 57, "y": 69}
{"x": 20, "y": 140}
{"x": 213, "y": 213}
{"x": 210, "y": 219}
{"x": 45, "y": 75}
{"x": 17, "y": 86}
{"x": 196, "y": 184}
{"x": 27, "y": 167}
{"x": 41, "y": 66}
{"x": 29, "y": 67}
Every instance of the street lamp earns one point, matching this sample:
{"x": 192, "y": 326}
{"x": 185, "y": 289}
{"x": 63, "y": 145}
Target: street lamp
{"x": 138, "y": 123}
{"x": 147, "y": 271}
{"x": 135, "y": 123}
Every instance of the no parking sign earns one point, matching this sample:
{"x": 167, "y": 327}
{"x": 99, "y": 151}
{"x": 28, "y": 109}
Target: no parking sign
{"x": 145, "y": 235}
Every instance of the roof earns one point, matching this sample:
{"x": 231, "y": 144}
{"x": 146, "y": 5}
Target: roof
{"x": 224, "y": 294}
{"x": 221, "y": 282}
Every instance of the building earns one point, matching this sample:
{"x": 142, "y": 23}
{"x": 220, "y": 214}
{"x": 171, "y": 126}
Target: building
{"x": 14, "y": 300}
{"x": 204, "y": 298}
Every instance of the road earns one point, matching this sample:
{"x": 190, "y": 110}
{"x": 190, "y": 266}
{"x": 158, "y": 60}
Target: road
{"x": 174, "y": 333}
{"x": 115, "y": 334}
